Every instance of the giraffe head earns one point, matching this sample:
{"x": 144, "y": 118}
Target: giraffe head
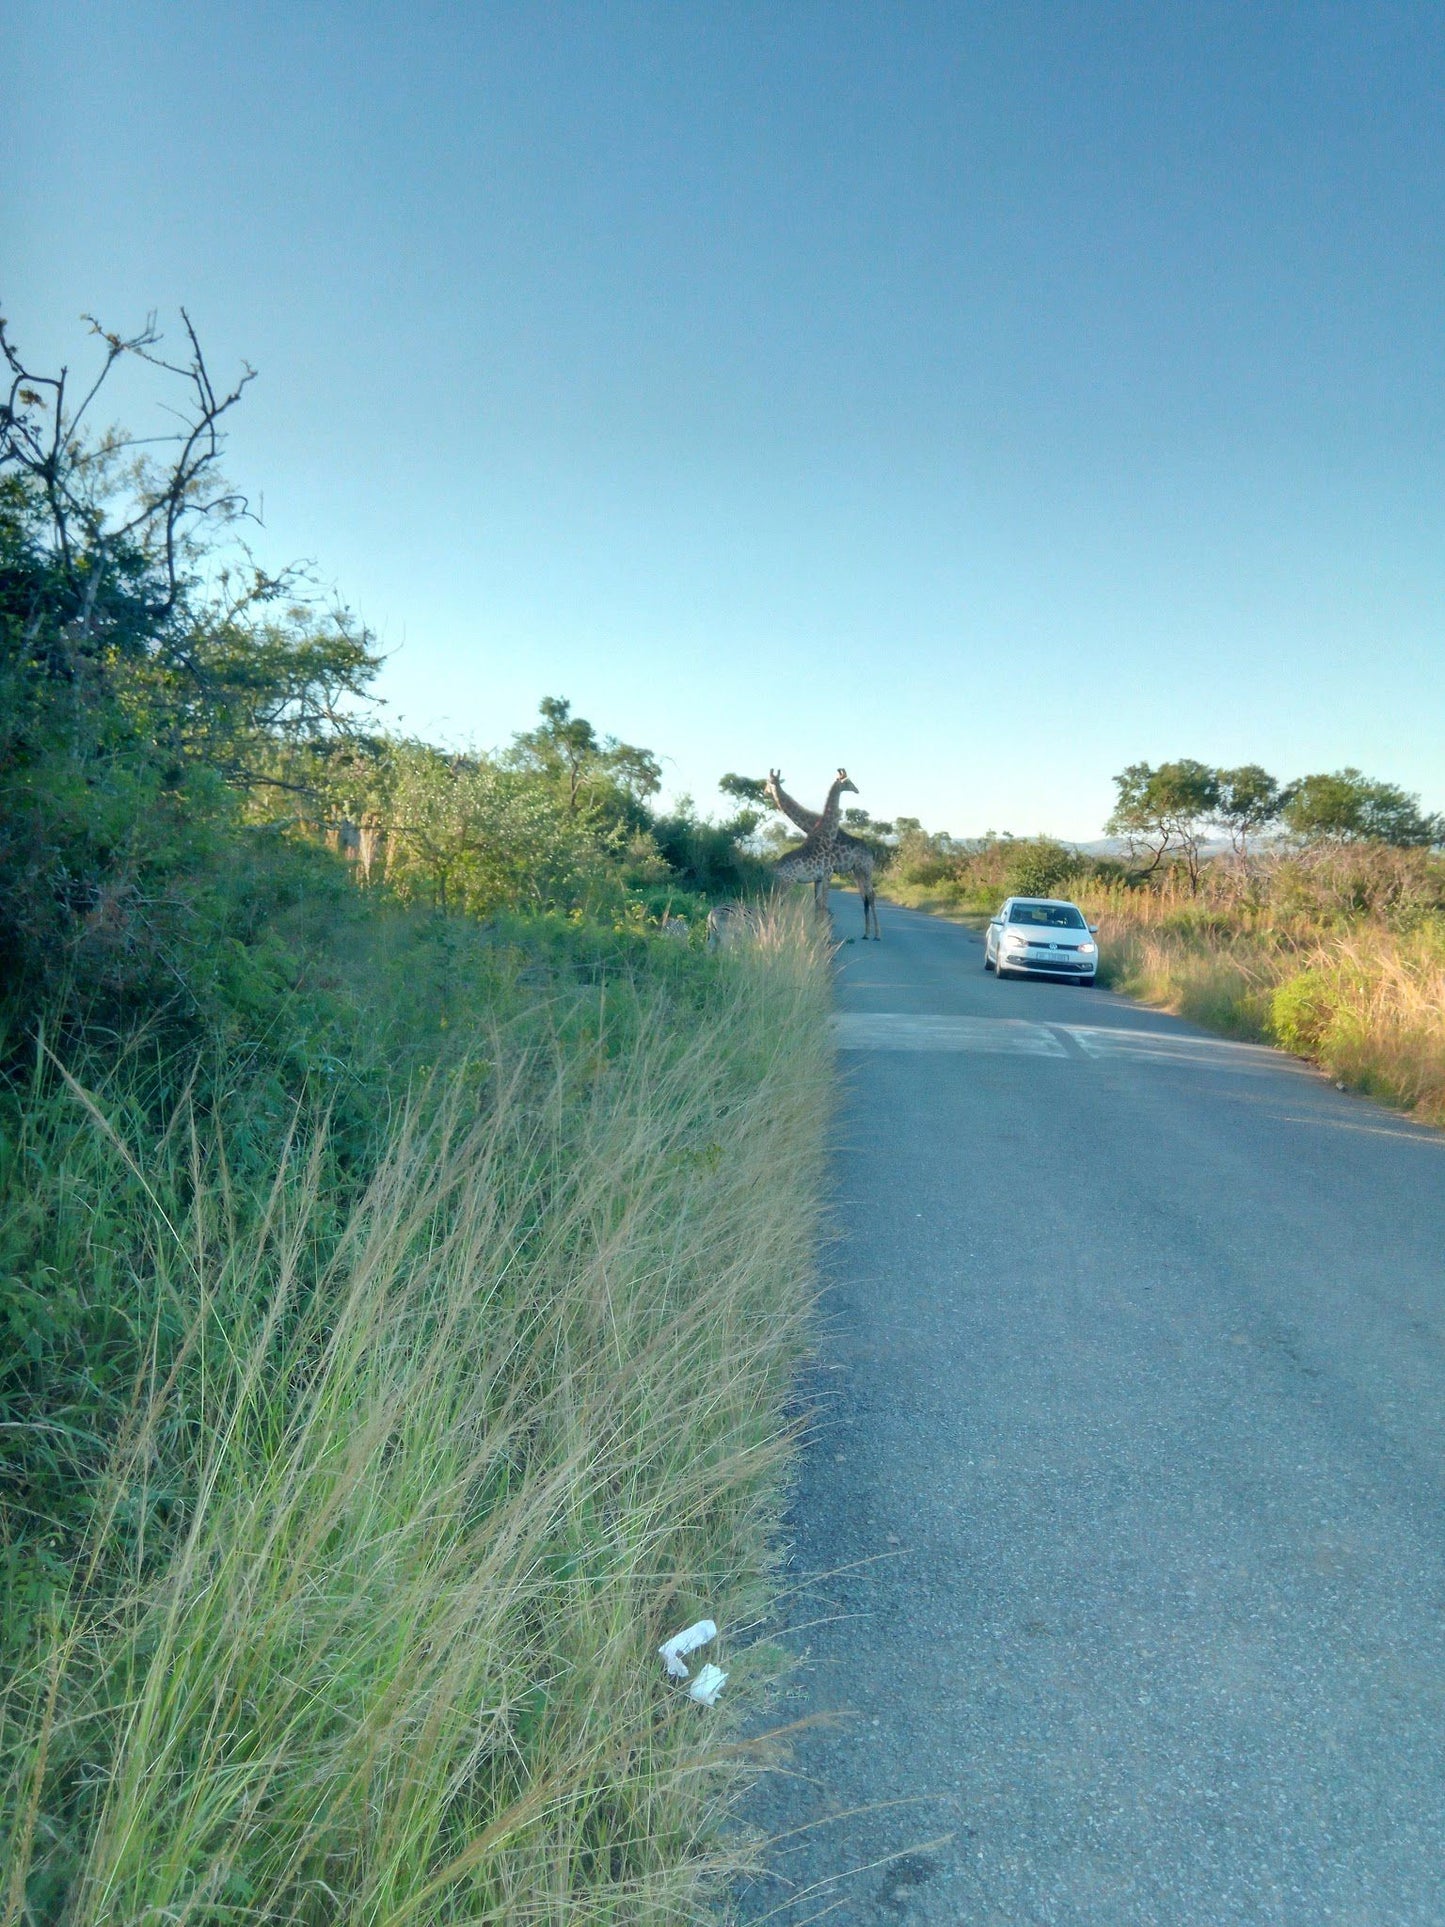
{"x": 832, "y": 809}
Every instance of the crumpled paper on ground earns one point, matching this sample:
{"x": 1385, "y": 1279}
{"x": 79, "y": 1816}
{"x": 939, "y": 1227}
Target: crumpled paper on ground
{"x": 687, "y": 1641}
{"x": 708, "y": 1684}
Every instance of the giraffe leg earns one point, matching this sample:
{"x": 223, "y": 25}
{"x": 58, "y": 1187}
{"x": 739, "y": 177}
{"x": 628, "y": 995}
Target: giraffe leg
{"x": 866, "y": 896}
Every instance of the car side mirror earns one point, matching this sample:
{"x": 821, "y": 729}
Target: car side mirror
{"x": 1093, "y": 929}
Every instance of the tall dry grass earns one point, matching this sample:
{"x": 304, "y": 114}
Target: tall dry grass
{"x": 1336, "y": 952}
{"x": 1367, "y": 1004}
{"x": 406, "y": 1522}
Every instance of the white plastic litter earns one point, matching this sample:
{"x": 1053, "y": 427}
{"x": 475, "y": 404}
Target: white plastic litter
{"x": 708, "y": 1684}
{"x": 687, "y": 1641}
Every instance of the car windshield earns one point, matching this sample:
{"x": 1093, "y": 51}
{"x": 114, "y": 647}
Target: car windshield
{"x": 1053, "y": 916}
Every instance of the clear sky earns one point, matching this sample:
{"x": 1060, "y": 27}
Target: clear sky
{"x": 981, "y": 396}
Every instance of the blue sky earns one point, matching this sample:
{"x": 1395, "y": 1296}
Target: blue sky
{"x": 984, "y": 397}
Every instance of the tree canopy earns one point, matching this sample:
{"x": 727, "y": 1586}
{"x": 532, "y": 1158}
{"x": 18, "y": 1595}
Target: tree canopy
{"x": 1166, "y": 810}
{"x": 1345, "y": 806}
{"x": 586, "y": 766}
{"x": 1249, "y": 800}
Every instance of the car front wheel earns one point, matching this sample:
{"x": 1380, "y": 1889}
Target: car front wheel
{"x": 1086, "y": 983}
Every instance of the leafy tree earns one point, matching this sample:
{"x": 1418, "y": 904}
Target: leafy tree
{"x": 1346, "y": 806}
{"x": 1249, "y": 801}
{"x": 866, "y": 824}
{"x": 711, "y": 858}
{"x": 1166, "y": 811}
{"x": 150, "y": 674}
{"x": 916, "y": 842}
{"x": 464, "y": 834}
{"x": 744, "y": 825}
{"x": 117, "y": 588}
{"x": 745, "y": 789}
{"x": 567, "y": 749}
{"x": 124, "y": 527}
{"x": 562, "y": 746}
{"x": 254, "y": 692}
{"x": 636, "y": 772}
{"x": 1038, "y": 866}
{"x": 916, "y": 850}
{"x": 871, "y": 831}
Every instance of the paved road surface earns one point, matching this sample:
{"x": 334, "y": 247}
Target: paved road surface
{"x": 1128, "y": 1475}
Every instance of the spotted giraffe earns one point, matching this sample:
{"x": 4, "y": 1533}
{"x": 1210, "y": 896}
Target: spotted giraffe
{"x": 853, "y": 857}
{"x": 815, "y": 858}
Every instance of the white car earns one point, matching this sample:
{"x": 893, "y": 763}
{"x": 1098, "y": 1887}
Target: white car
{"x": 1042, "y": 936}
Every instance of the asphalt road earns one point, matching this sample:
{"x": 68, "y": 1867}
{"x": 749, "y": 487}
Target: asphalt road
{"x": 1121, "y": 1529}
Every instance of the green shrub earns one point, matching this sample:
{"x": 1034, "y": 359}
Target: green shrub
{"x": 1040, "y": 868}
{"x": 1301, "y": 1010}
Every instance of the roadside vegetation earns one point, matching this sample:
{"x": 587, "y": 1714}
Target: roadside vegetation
{"x": 405, "y": 1247}
{"x": 1320, "y": 927}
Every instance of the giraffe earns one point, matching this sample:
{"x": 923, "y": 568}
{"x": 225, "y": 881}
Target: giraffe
{"x": 852, "y": 856}
{"x": 815, "y": 858}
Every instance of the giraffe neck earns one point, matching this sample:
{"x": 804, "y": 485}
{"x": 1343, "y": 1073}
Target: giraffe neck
{"x": 805, "y": 819}
{"x": 832, "y": 809}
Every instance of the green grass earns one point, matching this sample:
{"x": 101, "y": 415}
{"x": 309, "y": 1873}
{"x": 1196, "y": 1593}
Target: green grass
{"x": 961, "y": 901}
{"x": 416, "y": 1469}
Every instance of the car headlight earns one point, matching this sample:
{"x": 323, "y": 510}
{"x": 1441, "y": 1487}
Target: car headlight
{"x": 1017, "y": 943}
{"x": 1087, "y": 949}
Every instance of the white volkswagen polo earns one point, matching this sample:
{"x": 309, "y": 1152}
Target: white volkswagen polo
{"x": 1042, "y": 936}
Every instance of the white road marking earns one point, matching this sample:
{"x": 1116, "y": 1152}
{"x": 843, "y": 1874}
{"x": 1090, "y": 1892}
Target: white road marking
{"x": 1172, "y": 1047}
{"x": 907, "y": 1030}
{"x": 919, "y": 1031}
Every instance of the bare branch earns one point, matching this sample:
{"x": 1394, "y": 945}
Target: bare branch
{"x": 114, "y": 349}
{"x": 166, "y": 503}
